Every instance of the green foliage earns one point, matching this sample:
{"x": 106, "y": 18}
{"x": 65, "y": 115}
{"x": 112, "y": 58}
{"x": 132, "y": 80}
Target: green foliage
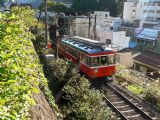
{"x": 135, "y": 89}
{"x": 55, "y": 6}
{"x": 120, "y": 5}
{"x": 2, "y": 1}
{"x": 58, "y": 7}
{"x": 102, "y": 5}
{"x": 20, "y": 71}
{"x": 152, "y": 93}
{"x": 83, "y": 102}
{"x": 61, "y": 69}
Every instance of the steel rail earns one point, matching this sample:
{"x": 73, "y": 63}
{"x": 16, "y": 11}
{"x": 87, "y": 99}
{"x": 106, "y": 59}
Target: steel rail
{"x": 141, "y": 112}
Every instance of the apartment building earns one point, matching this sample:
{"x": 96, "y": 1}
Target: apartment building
{"x": 141, "y": 10}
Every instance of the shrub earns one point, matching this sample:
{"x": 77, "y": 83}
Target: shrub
{"x": 152, "y": 94}
{"x": 81, "y": 101}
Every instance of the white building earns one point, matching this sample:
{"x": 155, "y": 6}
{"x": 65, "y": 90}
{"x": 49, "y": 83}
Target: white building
{"x": 105, "y": 30}
{"x": 104, "y": 20}
{"x": 80, "y": 26}
{"x": 141, "y": 10}
{"x": 115, "y": 39}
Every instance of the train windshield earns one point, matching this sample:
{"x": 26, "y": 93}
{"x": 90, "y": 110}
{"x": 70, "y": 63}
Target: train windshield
{"x": 103, "y": 60}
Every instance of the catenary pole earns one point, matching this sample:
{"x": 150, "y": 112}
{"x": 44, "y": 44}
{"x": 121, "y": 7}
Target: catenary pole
{"x": 46, "y": 27}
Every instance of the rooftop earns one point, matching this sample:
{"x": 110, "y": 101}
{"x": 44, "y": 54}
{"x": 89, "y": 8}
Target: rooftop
{"x": 148, "y": 34}
{"x": 149, "y": 57}
{"x": 86, "y": 45}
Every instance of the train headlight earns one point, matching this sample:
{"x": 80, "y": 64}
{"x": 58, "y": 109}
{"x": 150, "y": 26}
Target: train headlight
{"x": 96, "y": 70}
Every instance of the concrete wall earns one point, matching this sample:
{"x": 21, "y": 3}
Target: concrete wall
{"x": 125, "y": 59}
{"x": 119, "y": 40}
{"x": 81, "y": 27}
{"x": 127, "y": 12}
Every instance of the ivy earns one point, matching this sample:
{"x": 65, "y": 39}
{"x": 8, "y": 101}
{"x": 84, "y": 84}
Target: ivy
{"x": 20, "y": 71}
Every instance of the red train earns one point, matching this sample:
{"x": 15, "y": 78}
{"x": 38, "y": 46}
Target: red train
{"x": 93, "y": 58}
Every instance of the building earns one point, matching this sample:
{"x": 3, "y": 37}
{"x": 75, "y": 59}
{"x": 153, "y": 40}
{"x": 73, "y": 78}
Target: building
{"x": 148, "y": 62}
{"x": 115, "y": 39}
{"x": 81, "y": 26}
{"x": 147, "y": 37}
{"x": 103, "y": 28}
{"x": 125, "y": 57}
{"x": 141, "y": 10}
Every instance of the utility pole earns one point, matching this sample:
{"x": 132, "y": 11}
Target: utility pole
{"x": 46, "y": 27}
{"x": 89, "y": 25}
{"x": 95, "y": 22}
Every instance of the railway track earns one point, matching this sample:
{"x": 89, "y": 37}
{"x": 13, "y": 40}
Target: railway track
{"x": 126, "y": 108}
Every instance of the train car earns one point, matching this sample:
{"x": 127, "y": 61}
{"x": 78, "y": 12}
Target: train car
{"x": 93, "y": 58}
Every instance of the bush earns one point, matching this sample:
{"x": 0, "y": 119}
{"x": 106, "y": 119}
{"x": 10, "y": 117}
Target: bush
{"x": 152, "y": 94}
{"x": 81, "y": 102}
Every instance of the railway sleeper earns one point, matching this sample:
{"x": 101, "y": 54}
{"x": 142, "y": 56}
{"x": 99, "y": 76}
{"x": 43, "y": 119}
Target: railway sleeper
{"x": 130, "y": 112}
{"x": 111, "y": 95}
{"x": 124, "y": 108}
{"x": 115, "y": 99}
{"x": 118, "y": 102}
{"x": 126, "y": 111}
{"x": 134, "y": 116}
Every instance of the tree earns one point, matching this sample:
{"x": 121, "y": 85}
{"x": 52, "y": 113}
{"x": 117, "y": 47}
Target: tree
{"x": 120, "y": 4}
{"x": 2, "y": 1}
{"x": 54, "y": 6}
{"x": 58, "y": 7}
{"x": 79, "y": 101}
{"x": 94, "y": 5}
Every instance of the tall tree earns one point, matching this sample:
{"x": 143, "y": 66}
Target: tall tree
{"x": 120, "y": 4}
{"x": 93, "y": 5}
{"x": 2, "y": 1}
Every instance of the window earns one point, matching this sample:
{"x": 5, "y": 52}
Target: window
{"x": 158, "y": 11}
{"x": 144, "y": 11}
{"x": 158, "y": 18}
{"x": 108, "y": 41}
{"x": 158, "y": 4}
{"x": 85, "y": 59}
{"x": 152, "y": 4}
{"x": 111, "y": 59}
{"x": 150, "y": 18}
{"x": 133, "y": 10}
{"x": 146, "y": 3}
{"x": 89, "y": 61}
{"x": 151, "y": 11}
{"x": 95, "y": 61}
{"x": 82, "y": 57}
{"x": 103, "y": 60}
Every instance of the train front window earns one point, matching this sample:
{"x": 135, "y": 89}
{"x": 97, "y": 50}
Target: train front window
{"x": 111, "y": 59}
{"x": 103, "y": 60}
{"x": 95, "y": 61}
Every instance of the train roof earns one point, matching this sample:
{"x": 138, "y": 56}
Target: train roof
{"x": 87, "y": 45}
